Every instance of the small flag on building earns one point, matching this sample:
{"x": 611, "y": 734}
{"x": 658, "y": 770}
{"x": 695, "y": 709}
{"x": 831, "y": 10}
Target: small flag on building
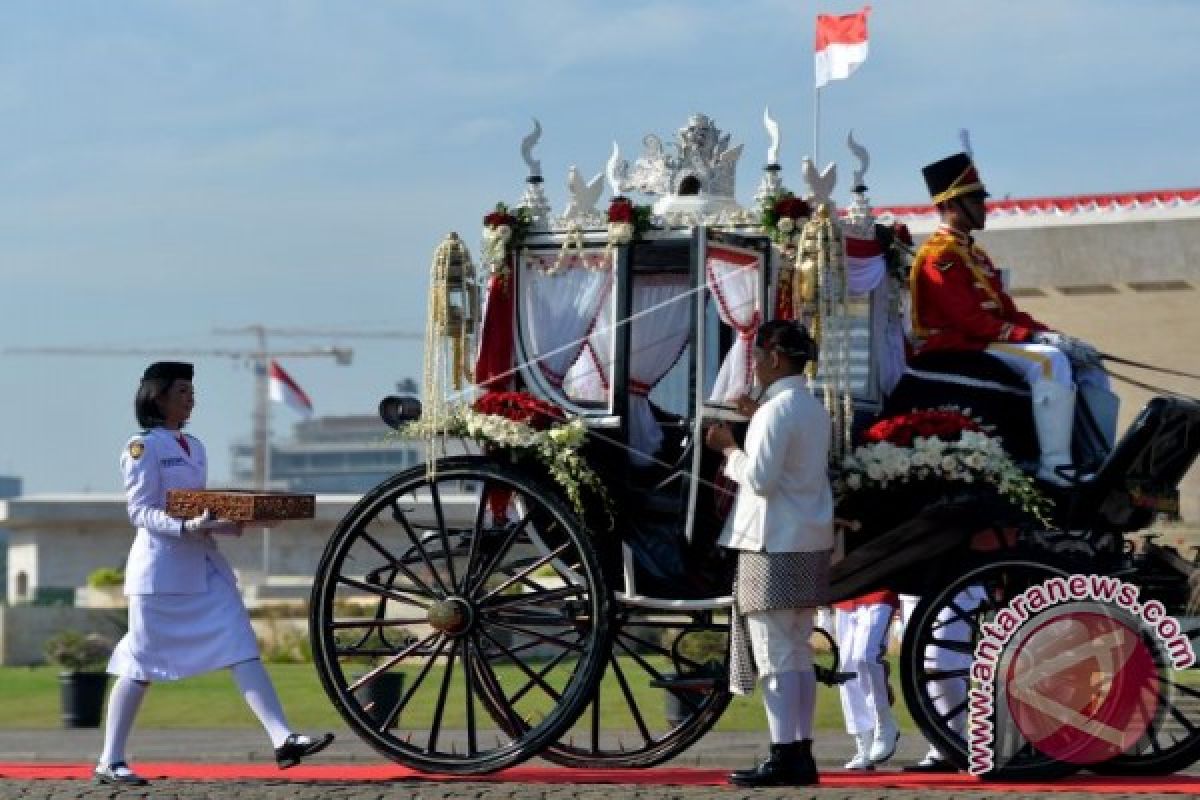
{"x": 841, "y": 45}
{"x": 283, "y": 389}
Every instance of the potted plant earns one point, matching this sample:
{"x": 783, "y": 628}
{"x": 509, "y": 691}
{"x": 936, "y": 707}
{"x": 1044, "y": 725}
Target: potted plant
{"x": 82, "y": 681}
{"x": 105, "y": 589}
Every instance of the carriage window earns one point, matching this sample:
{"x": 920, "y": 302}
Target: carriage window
{"x": 658, "y": 340}
{"x": 565, "y": 312}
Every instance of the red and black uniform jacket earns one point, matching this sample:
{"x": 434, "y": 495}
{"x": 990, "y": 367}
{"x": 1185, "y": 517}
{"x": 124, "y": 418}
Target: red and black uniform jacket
{"x": 958, "y": 301}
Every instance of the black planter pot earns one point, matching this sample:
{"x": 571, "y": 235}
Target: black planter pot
{"x": 82, "y": 696}
{"x": 380, "y": 696}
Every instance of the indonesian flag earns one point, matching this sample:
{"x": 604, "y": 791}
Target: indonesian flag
{"x": 283, "y": 389}
{"x": 841, "y": 45}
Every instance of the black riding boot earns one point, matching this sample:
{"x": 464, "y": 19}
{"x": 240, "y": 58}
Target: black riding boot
{"x": 804, "y": 768}
{"x": 780, "y": 767}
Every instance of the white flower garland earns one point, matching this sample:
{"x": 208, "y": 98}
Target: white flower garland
{"x": 556, "y": 448}
{"x": 974, "y": 458}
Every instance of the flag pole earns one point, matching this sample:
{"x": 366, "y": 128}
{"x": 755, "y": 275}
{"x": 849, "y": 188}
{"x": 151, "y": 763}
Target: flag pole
{"x": 817, "y": 128}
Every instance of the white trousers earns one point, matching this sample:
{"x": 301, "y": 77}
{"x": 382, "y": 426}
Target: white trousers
{"x": 862, "y": 637}
{"x": 780, "y": 640}
{"x": 1041, "y": 362}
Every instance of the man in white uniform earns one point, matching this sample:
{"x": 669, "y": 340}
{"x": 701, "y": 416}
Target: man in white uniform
{"x": 782, "y": 526}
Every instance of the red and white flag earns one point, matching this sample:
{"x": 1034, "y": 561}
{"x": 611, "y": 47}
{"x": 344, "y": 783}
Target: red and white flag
{"x": 283, "y": 389}
{"x": 841, "y": 45}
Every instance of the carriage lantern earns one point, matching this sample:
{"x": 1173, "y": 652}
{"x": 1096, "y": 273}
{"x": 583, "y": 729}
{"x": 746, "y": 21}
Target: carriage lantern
{"x": 454, "y": 305}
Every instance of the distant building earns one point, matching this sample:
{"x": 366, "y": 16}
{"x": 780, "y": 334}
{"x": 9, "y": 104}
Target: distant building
{"x": 331, "y": 455}
{"x": 9, "y": 487}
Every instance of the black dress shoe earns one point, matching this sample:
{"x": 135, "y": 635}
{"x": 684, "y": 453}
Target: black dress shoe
{"x": 296, "y": 748}
{"x": 931, "y": 765}
{"x": 788, "y": 764}
{"x": 118, "y": 774}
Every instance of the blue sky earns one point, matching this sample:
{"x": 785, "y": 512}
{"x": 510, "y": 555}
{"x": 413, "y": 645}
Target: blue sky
{"x": 167, "y": 168}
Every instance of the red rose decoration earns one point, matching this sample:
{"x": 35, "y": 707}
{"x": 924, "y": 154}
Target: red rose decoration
{"x": 620, "y": 210}
{"x": 520, "y": 407}
{"x": 900, "y": 231}
{"x": 792, "y": 207}
{"x": 945, "y": 424}
{"x": 498, "y": 218}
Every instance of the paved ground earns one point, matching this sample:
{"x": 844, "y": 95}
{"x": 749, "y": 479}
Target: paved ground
{"x": 250, "y": 746}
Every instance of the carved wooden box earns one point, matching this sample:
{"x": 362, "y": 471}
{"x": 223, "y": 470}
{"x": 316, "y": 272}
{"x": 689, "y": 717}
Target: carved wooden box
{"x": 240, "y": 505}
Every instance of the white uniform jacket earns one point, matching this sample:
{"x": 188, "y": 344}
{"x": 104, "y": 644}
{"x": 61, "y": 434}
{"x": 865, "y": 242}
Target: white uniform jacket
{"x": 163, "y": 559}
{"x": 784, "y": 502}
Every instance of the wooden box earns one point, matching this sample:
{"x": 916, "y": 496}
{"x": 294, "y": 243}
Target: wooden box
{"x": 240, "y": 505}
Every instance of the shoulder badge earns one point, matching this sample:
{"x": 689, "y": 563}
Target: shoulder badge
{"x": 944, "y": 265}
{"x": 136, "y": 448}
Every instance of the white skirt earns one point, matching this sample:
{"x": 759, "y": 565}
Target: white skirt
{"x": 173, "y": 636}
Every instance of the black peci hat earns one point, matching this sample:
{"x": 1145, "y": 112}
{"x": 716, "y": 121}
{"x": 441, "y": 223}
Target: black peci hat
{"x": 168, "y": 371}
{"x": 952, "y": 177}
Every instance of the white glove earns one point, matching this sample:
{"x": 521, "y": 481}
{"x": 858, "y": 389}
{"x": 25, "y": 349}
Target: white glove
{"x": 207, "y": 523}
{"x": 1051, "y": 338}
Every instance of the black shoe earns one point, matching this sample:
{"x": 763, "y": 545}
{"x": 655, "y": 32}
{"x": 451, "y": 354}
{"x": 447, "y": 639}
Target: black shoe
{"x": 788, "y": 764}
{"x": 296, "y": 748}
{"x": 118, "y": 774}
{"x": 930, "y": 764}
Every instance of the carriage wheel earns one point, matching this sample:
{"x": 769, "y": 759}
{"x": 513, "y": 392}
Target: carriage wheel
{"x": 1172, "y": 743}
{"x": 946, "y": 625}
{"x": 681, "y": 657}
{"x": 477, "y": 583}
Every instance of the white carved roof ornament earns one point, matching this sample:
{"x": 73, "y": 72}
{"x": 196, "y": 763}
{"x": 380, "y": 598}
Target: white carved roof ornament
{"x": 700, "y": 151}
{"x": 859, "y": 216}
{"x": 534, "y": 198}
{"x": 582, "y": 204}
{"x": 614, "y": 169}
{"x": 771, "y": 183}
{"x": 820, "y": 185}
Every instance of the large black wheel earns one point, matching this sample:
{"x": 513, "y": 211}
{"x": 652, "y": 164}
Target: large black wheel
{"x": 1172, "y": 743}
{"x": 478, "y": 591}
{"x": 664, "y": 686}
{"x": 936, "y": 655}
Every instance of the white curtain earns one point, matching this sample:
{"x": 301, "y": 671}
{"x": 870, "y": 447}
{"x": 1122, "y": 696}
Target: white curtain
{"x": 587, "y": 379}
{"x": 659, "y": 332}
{"x": 732, "y": 275}
{"x": 557, "y": 310}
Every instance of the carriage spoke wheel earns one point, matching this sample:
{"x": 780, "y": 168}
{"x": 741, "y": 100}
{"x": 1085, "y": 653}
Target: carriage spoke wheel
{"x": 665, "y": 685}
{"x": 936, "y": 657}
{"x": 1173, "y": 741}
{"x": 474, "y": 595}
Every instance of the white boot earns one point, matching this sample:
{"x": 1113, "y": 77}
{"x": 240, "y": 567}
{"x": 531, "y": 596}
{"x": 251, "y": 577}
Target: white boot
{"x": 862, "y": 758}
{"x": 1054, "y": 418}
{"x": 887, "y": 735}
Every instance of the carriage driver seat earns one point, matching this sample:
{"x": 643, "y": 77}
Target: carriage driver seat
{"x": 994, "y": 393}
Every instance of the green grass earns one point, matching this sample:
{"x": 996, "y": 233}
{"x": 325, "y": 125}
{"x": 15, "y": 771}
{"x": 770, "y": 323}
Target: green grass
{"x": 29, "y": 698}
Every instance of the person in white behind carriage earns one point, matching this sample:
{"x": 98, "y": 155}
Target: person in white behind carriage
{"x": 782, "y": 528}
{"x": 959, "y": 303}
{"x": 861, "y": 625}
{"x": 185, "y": 613}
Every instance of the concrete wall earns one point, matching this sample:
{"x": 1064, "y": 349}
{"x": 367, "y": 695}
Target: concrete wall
{"x": 24, "y": 629}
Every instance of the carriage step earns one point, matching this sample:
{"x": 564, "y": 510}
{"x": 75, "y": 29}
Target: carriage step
{"x": 699, "y": 683}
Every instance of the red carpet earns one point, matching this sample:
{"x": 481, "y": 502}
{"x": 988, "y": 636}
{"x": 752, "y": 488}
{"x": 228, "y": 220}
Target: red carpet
{"x": 659, "y": 776}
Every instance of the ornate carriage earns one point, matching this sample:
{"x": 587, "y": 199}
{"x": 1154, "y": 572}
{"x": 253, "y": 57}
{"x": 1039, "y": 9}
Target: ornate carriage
{"x": 548, "y": 584}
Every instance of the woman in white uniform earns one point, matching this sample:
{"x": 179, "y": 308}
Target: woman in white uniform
{"x": 186, "y": 615}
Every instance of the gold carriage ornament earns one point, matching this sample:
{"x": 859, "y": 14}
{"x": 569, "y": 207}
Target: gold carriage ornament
{"x": 453, "y": 317}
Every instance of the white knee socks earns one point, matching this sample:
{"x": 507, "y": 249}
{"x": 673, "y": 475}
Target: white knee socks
{"x": 123, "y": 703}
{"x": 806, "y": 703}
{"x": 259, "y": 693}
